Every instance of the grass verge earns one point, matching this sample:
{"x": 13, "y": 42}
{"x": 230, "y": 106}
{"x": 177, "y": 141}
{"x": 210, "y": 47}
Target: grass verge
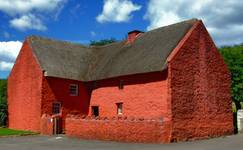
{"x": 11, "y": 132}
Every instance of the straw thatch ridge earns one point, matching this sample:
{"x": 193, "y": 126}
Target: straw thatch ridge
{"x": 148, "y": 53}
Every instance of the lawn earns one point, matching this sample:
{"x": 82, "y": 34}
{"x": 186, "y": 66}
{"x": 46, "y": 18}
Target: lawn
{"x": 11, "y": 132}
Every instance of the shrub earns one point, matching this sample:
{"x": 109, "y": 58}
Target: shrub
{"x": 233, "y": 57}
{"x": 3, "y": 103}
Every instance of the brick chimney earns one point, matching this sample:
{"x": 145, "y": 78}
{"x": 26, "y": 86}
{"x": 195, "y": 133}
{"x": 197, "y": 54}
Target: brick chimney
{"x": 132, "y": 35}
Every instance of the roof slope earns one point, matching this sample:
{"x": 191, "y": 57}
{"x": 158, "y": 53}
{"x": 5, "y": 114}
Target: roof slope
{"x": 148, "y": 53}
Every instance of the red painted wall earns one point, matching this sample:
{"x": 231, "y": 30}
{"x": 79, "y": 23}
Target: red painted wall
{"x": 118, "y": 129}
{"x": 145, "y": 107}
{"x": 132, "y": 36}
{"x": 143, "y": 96}
{"x": 46, "y": 124}
{"x": 199, "y": 84}
{"x": 189, "y": 100}
{"x": 57, "y": 89}
{"x": 24, "y": 92}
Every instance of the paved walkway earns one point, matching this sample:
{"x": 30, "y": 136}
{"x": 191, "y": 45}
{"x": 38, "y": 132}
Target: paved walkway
{"x": 63, "y": 143}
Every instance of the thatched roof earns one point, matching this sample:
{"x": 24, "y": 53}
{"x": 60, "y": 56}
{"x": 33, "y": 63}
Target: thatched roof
{"x": 148, "y": 53}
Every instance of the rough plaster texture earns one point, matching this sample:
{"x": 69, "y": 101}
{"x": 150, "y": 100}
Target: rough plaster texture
{"x": 46, "y": 125}
{"x": 57, "y": 90}
{"x": 143, "y": 95}
{"x": 24, "y": 92}
{"x": 118, "y": 129}
{"x": 200, "y": 89}
{"x": 189, "y": 100}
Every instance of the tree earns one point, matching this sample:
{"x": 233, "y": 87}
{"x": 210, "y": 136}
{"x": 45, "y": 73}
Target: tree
{"x": 102, "y": 42}
{"x": 233, "y": 57}
{"x": 3, "y": 102}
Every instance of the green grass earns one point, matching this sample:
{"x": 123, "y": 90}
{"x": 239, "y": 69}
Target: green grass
{"x": 11, "y": 132}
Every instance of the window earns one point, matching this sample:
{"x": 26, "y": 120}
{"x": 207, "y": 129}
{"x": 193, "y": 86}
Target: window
{"x": 73, "y": 90}
{"x": 56, "y": 107}
{"x": 119, "y": 108}
{"x": 94, "y": 85}
{"x": 95, "y": 111}
{"x": 121, "y": 84}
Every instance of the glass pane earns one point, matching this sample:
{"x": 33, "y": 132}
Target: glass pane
{"x": 119, "y": 108}
{"x": 73, "y": 90}
{"x": 56, "y": 108}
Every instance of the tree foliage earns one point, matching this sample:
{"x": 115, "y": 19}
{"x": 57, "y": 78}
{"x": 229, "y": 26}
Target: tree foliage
{"x": 3, "y": 102}
{"x": 233, "y": 57}
{"x": 102, "y": 42}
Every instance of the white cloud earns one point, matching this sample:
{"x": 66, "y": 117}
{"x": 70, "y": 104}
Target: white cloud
{"x": 117, "y": 11}
{"x": 223, "y": 19}
{"x": 160, "y": 13}
{"x": 13, "y": 7}
{"x": 8, "y": 53}
{"x": 24, "y": 12}
{"x": 6, "y": 66}
{"x": 10, "y": 49}
{"x": 27, "y": 22}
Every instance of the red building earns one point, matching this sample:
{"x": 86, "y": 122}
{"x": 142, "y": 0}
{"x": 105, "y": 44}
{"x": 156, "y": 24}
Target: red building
{"x": 168, "y": 84}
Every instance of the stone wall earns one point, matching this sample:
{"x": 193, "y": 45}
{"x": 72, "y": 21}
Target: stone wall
{"x": 46, "y": 124}
{"x": 143, "y": 95}
{"x": 24, "y": 92}
{"x": 118, "y": 129}
{"x": 199, "y": 84}
{"x": 57, "y": 90}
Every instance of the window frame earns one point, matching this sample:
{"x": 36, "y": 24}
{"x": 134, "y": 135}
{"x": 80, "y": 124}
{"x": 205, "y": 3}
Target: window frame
{"x": 76, "y": 90}
{"x": 59, "y": 107}
{"x": 119, "y": 108}
{"x": 121, "y": 85}
{"x": 98, "y": 111}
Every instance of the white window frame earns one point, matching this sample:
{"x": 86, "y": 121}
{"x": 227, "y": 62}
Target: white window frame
{"x": 119, "y": 108}
{"x": 76, "y": 89}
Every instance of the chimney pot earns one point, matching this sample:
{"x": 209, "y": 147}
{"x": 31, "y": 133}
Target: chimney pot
{"x": 132, "y": 35}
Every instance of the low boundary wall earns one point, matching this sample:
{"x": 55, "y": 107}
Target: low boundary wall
{"x": 118, "y": 129}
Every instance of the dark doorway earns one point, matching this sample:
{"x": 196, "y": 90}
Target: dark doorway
{"x": 57, "y": 125}
{"x": 57, "y": 120}
{"x": 95, "y": 111}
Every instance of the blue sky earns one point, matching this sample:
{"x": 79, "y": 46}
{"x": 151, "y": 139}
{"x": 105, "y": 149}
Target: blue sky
{"x": 81, "y": 21}
{"x": 77, "y": 22}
